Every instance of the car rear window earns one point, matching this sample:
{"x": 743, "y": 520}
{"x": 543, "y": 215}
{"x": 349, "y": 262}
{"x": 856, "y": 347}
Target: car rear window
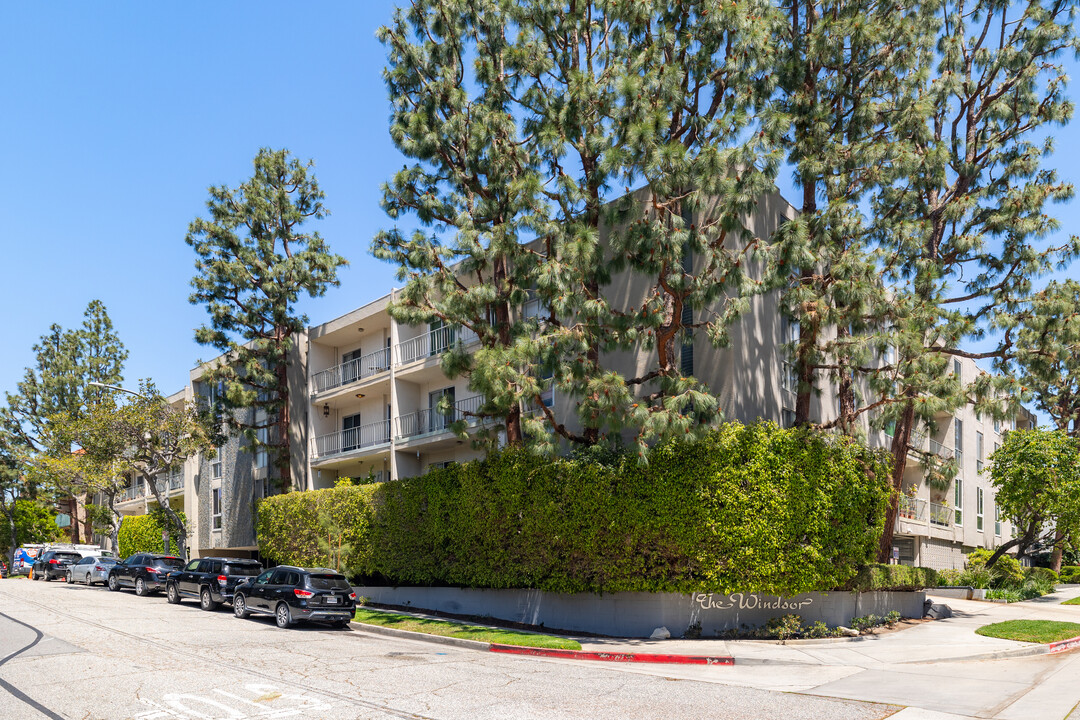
{"x": 169, "y": 562}
{"x": 107, "y": 561}
{"x": 329, "y": 582}
{"x": 252, "y": 568}
{"x": 68, "y": 556}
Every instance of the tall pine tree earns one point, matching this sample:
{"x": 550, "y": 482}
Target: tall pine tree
{"x": 253, "y": 260}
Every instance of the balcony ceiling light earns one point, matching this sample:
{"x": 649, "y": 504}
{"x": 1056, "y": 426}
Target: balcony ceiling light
{"x": 326, "y": 410}
{"x": 359, "y": 395}
{"x": 359, "y": 329}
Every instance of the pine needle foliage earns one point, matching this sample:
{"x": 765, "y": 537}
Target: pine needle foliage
{"x": 254, "y": 258}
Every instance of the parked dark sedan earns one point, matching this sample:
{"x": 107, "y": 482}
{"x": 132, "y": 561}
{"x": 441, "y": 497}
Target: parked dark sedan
{"x": 145, "y": 572}
{"x": 211, "y": 579}
{"x": 53, "y": 564}
{"x": 291, "y": 594}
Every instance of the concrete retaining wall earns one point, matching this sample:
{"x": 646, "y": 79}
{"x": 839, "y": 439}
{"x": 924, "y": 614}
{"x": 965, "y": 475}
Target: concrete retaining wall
{"x": 638, "y": 614}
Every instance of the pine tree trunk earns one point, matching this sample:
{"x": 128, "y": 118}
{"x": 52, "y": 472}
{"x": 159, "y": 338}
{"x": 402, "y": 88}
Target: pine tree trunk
{"x": 900, "y": 441}
{"x": 284, "y": 449}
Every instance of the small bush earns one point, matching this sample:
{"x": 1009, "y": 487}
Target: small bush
{"x": 820, "y": 630}
{"x": 978, "y": 577}
{"x": 894, "y": 577}
{"x": 784, "y": 628}
{"x": 1006, "y": 572}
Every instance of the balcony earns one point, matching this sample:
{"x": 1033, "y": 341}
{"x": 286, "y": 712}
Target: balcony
{"x": 941, "y": 515}
{"x": 920, "y": 442}
{"x": 426, "y": 422}
{"x": 353, "y": 439}
{"x": 433, "y": 343}
{"x": 912, "y": 508}
{"x": 349, "y": 372}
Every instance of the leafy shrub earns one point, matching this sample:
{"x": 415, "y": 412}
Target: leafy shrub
{"x": 950, "y": 577}
{"x": 869, "y": 622}
{"x": 978, "y": 577}
{"x": 1008, "y": 595}
{"x": 893, "y": 577}
{"x": 1044, "y": 573}
{"x": 142, "y": 533}
{"x": 747, "y": 508}
{"x": 1006, "y": 572}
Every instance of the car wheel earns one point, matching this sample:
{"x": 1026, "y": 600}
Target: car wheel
{"x": 45, "y": 576}
{"x": 171, "y": 594}
{"x": 88, "y": 583}
{"x": 114, "y": 584}
{"x": 206, "y": 600}
{"x": 239, "y": 607}
{"x": 140, "y": 588}
{"x": 282, "y": 616}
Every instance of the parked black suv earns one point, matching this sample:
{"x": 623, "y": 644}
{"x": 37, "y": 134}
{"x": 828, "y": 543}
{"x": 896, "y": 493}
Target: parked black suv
{"x": 53, "y": 564}
{"x": 292, "y": 594}
{"x": 145, "y": 572}
{"x": 212, "y": 580}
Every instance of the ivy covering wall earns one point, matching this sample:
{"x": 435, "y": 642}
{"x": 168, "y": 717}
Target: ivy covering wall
{"x": 747, "y": 508}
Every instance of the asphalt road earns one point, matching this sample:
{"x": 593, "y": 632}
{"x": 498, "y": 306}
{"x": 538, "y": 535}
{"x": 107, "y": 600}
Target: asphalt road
{"x": 86, "y": 653}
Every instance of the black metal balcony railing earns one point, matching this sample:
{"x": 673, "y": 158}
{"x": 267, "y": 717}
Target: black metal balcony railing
{"x": 348, "y": 372}
{"x": 357, "y": 438}
{"x": 424, "y": 422}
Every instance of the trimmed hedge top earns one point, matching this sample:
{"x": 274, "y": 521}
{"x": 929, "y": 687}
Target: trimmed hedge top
{"x": 747, "y": 508}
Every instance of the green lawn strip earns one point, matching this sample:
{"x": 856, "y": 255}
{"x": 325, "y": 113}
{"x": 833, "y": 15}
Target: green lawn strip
{"x": 1039, "y": 631}
{"x": 1074, "y": 601}
{"x": 448, "y": 628}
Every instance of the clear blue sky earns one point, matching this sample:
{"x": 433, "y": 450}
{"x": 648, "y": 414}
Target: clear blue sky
{"x": 116, "y": 117}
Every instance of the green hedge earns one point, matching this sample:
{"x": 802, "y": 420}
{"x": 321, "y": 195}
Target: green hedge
{"x": 748, "y": 508}
{"x": 142, "y": 533}
{"x": 1046, "y": 574}
{"x": 1070, "y": 574}
{"x": 894, "y": 577}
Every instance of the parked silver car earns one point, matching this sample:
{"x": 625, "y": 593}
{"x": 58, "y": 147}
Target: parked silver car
{"x": 91, "y": 569}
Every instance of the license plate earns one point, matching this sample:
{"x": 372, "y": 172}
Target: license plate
{"x": 330, "y": 600}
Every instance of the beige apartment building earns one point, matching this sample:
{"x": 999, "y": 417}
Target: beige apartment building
{"x": 365, "y": 389}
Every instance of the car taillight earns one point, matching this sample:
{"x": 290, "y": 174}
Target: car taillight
{"x": 53, "y": 562}
{"x": 302, "y": 593}
{"x": 151, "y": 569}
{"x": 98, "y": 567}
{"x": 222, "y": 580}
{"x": 352, "y": 596}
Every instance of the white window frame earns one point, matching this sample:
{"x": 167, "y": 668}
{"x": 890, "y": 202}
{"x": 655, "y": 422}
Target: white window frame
{"x": 979, "y": 509}
{"x": 215, "y": 508}
{"x": 262, "y": 457}
{"x": 958, "y": 500}
{"x": 997, "y": 519}
{"x": 979, "y": 451}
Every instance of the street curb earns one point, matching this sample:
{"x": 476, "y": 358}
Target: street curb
{"x": 615, "y": 656}
{"x": 422, "y": 637}
{"x": 1063, "y": 645}
{"x": 544, "y": 652}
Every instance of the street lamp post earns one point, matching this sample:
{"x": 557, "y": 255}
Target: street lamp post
{"x": 117, "y": 387}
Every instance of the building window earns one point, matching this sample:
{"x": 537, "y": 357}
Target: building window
{"x": 788, "y": 418}
{"x": 958, "y": 437}
{"x": 958, "y": 370}
{"x": 979, "y": 509}
{"x": 978, "y": 452}
{"x": 958, "y": 501}
{"x": 997, "y": 520}
{"x": 997, "y": 425}
{"x": 262, "y": 458}
{"x": 215, "y": 509}
{"x": 215, "y": 465}
{"x": 789, "y": 379}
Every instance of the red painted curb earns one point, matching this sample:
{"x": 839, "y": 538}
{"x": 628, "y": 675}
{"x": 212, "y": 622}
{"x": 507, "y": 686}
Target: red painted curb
{"x": 615, "y": 656}
{"x": 1063, "y": 645}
